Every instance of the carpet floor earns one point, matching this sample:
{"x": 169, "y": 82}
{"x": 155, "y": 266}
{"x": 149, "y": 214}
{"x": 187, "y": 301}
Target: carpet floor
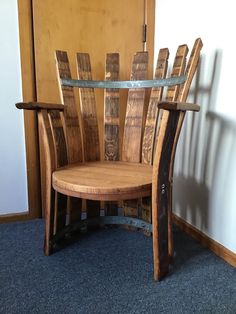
{"x": 109, "y": 271}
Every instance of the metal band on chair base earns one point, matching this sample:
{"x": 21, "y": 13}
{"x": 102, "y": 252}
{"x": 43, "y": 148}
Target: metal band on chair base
{"x": 105, "y": 220}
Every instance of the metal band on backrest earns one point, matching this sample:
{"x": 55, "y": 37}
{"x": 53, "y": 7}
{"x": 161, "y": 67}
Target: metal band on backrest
{"x": 124, "y": 84}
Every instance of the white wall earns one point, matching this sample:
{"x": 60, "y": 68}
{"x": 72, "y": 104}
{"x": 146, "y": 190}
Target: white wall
{"x": 205, "y": 168}
{"x": 13, "y": 186}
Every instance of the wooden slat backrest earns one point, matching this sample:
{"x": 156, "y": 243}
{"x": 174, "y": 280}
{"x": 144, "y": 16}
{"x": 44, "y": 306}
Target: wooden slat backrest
{"x": 190, "y": 70}
{"x": 134, "y": 113}
{"x": 88, "y": 110}
{"x": 184, "y": 88}
{"x": 111, "y": 109}
{"x": 178, "y": 69}
{"x": 152, "y": 113}
{"x": 73, "y": 132}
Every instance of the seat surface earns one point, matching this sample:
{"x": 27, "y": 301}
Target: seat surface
{"x": 105, "y": 180}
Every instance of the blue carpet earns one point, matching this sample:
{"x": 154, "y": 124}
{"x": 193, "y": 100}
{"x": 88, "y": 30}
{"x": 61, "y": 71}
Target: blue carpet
{"x": 109, "y": 271}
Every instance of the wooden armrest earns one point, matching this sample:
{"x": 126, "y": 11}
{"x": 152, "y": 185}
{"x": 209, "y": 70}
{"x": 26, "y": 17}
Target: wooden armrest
{"x": 175, "y": 105}
{"x": 39, "y": 106}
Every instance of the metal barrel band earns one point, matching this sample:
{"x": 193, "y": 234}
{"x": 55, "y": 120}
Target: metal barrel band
{"x": 171, "y": 81}
{"x": 106, "y": 220}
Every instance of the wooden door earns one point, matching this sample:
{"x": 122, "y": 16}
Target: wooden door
{"x": 95, "y": 27}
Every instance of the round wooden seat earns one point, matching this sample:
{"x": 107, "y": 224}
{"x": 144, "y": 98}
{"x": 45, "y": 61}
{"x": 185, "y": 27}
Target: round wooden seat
{"x": 106, "y": 180}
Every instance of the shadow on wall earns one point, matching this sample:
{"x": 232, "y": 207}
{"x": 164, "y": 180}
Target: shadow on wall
{"x": 205, "y": 159}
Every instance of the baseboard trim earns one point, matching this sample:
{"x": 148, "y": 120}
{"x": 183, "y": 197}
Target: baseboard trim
{"x": 215, "y": 247}
{"x": 14, "y": 217}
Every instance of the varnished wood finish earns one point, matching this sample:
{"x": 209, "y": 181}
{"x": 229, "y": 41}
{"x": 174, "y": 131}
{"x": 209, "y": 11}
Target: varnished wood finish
{"x": 131, "y": 149}
{"x": 178, "y": 69}
{"x": 39, "y": 105}
{"x": 104, "y": 180}
{"x": 174, "y": 105}
{"x": 111, "y": 120}
{"x": 172, "y": 94}
{"x": 182, "y": 97}
{"x": 163, "y": 164}
{"x": 161, "y": 194}
{"x": 152, "y": 113}
{"x": 59, "y": 141}
{"x": 60, "y": 152}
{"x": 151, "y": 125}
{"x": 50, "y": 163}
{"x": 190, "y": 70}
{"x": 73, "y": 132}
{"x": 88, "y": 110}
{"x": 72, "y": 126}
{"x": 111, "y": 109}
{"x": 154, "y": 119}
{"x": 90, "y": 123}
{"x": 128, "y": 179}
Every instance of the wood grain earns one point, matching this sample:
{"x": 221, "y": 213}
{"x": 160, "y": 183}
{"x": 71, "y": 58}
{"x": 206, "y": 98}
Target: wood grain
{"x": 61, "y": 159}
{"x": 190, "y": 69}
{"x": 88, "y": 110}
{"x": 131, "y": 149}
{"x": 163, "y": 168}
{"x": 104, "y": 180}
{"x": 38, "y": 106}
{"x": 177, "y": 69}
{"x": 50, "y": 166}
{"x": 152, "y": 113}
{"x": 72, "y": 125}
{"x": 171, "y": 95}
{"x": 111, "y": 109}
{"x": 182, "y": 97}
{"x": 111, "y": 120}
{"x": 175, "y": 105}
{"x": 73, "y": 132}
{"x": 59, "y": 140}
{"x": 148, "y": 143}
{"x": 161, "y": 194}
{"x": 90, "y": 123}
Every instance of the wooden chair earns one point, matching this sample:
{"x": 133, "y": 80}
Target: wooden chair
{"x": 74, "y": 170}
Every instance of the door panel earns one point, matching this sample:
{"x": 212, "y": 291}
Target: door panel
{"x": 94, "y": 27}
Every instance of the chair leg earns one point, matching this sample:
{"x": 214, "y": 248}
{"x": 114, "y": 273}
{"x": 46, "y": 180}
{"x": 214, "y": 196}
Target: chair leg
{"x": 49, "y": 220}
{"x": 160, "y": 206}
{"x": 170, "y": 236}
{"x": 170, "y": 228}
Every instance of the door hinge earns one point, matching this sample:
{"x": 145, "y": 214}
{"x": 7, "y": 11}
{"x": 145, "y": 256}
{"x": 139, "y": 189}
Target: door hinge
{"x": 144, "y": 33}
